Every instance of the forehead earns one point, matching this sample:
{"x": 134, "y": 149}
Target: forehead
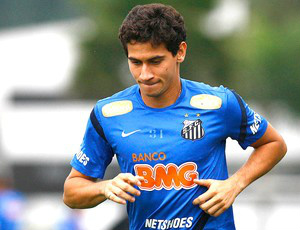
{"x": 145, "y": 50}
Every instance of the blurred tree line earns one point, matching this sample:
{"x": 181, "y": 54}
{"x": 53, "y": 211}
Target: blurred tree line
{"x": 261, "y": 63}
{"x": 15, "y": 13}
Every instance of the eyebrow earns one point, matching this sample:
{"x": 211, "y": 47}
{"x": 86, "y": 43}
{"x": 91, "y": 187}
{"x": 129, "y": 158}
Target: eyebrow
{"x": 150, "y": 59}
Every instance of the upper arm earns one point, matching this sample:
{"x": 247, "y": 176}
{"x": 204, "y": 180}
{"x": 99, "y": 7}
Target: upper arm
{"x": 271, "y": 135}
{"x": 242, "y": 123}
{"x": 95, "y": 152}
{"x": 74, "y": 173}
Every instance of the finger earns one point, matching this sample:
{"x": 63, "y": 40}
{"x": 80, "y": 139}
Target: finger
{"x": 203, "y": 198}
{"x": 121, "y": 194}
{"x": 214, "y": 209}
{"x": 136, "y": 180}
{"x": 202, "y": 182}
{"x": 111, "y": 196}
{"x": 140, "y": 178}
{"x": 210, "y": 204}
{"x": 127, "y": 187}
{"x": 219, "y": 212}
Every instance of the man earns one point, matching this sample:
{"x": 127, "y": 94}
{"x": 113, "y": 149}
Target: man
{"x": 169, "y": 136}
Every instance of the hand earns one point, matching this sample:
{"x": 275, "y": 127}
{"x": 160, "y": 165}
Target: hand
{"x": 219, "y": 196}
{"x": 121, "y": 188}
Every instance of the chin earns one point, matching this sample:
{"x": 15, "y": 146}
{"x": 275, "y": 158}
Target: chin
{"x": 155, "y": 90}
{"x": 150, "y": 92}
{"x": 153, "y": 93}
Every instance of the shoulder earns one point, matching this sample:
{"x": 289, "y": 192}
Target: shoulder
{"x": 200, "y": 87}
{"x": 202, "y": 90}
{"x": 122, "y": 95}
{"x": 117, "y": 103}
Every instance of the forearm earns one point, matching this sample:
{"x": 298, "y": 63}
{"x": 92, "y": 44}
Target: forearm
{"x": 83, "y": 193}
{"x": 268, "y": 151}
{"x": 222, "y": 193}
{"x": 261, "y": 161}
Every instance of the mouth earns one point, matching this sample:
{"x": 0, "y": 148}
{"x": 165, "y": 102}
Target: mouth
{"x": 148, "y": 83}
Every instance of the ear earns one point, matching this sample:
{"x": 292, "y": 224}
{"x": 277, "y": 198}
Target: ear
{"x": 181, "y": 52}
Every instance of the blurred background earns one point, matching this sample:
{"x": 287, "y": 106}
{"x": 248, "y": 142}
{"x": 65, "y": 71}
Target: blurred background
{"x": 58, "y": 57}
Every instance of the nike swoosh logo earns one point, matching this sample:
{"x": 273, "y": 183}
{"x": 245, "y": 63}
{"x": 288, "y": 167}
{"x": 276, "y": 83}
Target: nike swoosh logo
{"x": 128, "y": 134}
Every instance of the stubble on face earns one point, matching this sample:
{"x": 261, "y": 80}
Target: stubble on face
{"x": 154, "y": 68}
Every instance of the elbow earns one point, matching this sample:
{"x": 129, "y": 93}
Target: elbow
{"x": 69, "y": 198}
{"x": 282, "y": 147}
{"x": 68, "y": 202}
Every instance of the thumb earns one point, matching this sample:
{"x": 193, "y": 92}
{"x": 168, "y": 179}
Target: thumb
{"x": 202, "y": 182}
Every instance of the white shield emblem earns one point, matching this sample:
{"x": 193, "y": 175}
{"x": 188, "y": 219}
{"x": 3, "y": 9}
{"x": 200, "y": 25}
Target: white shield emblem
{"x": 192, "y": 130}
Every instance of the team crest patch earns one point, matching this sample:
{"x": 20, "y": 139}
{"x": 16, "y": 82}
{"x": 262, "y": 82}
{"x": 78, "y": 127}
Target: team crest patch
{"x": 192, "y": 130}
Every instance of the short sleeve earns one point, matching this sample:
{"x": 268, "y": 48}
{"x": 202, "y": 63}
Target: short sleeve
{"x": 242, "y": 123}
{"x": 95, "y": 152}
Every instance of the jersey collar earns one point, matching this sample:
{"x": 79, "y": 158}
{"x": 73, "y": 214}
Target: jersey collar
{"x": 179, "y": 99}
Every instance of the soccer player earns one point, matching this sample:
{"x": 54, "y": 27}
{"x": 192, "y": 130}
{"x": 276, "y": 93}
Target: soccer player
{"x": 169, "y": 136}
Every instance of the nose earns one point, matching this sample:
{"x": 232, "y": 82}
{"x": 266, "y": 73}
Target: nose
{"x": 146, "y": 73}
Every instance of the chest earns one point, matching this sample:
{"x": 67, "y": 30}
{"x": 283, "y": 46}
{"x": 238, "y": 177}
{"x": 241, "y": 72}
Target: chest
{"x": 176, "y": 136}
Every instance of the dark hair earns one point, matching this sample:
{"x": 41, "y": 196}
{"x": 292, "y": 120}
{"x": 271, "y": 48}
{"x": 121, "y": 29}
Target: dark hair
{"x": 156, "y": 23}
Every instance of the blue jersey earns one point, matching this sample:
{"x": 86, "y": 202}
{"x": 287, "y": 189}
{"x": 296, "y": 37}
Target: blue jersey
{"x": 169, "y": 147}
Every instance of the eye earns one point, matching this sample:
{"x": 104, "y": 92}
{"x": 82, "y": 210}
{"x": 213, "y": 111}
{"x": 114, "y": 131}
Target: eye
{"x": 135, "y": 62}
{"x": 155, "y": 62}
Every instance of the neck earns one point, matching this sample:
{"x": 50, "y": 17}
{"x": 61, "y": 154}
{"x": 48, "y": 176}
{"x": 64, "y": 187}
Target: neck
{"x": 167, "y": 98}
